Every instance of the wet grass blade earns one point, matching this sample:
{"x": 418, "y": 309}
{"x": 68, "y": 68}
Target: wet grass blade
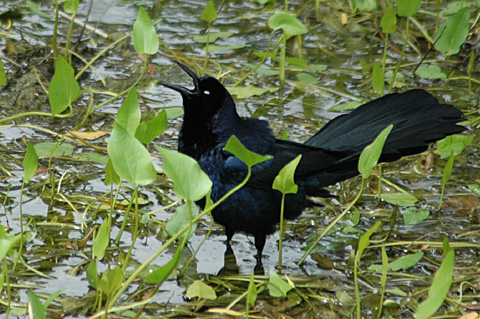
{"x": 159, "y": 275}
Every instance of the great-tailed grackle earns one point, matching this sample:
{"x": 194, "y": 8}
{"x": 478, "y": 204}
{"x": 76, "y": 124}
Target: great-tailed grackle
{"x": 328, "y": 157}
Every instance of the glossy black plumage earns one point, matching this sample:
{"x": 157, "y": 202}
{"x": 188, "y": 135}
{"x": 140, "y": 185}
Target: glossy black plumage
{"x": 328, "y": 157}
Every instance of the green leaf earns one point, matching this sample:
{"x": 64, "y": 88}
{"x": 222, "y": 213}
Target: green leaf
{"x": 284, "y": 181}
{"x": 378, "y": 81}
{"x": 33, "y": 7}
{"x": 182, "y": 218}
{"x": 371, "y": 153}
{"x": 130, "y": 159}
{"x": 111, "y": 177}
{"x": 101, "y": 241}
{"x": 149, "y": 130}
{"x": 402, "y": 263}
{"x": 201, "y": 290}
{"x": 190, "y": 182}
{"x": 128, "y": 115}
{"x": 243, "y": 92}
{"x": 453, "y": 33}
{"x": 439, "y": 289}
{"x": 50, "y": 149}
{"x": 413, "y": 215}
{"x": 3, "y": 75}
{"x": 401, "y": 199}
{"x": 159, "y": 275}
{"x": 236, "y": 147}
{"x": 93, "y": 157}
{"x": 30, "y": 163}
{"x": 111, "y": 281}
{"x": 144, "y": 36}
{"x": 218, "y": 48}
{"x": 364, "y": 241}
{"x": 37, "y": 306}
{"x": 474, "y": 188}
{"x": 209, "y": 14}
{"x": 407, "y": 7}
{"x": 252, "y": 292}
{"x": 306, "y": 78}
{"x": 63, "y": 89}
{"x": 277, "y": 287}
{"x": 345, "y": 106}
{"x": 366, "y": 5}
{"x": 389, "y": 20}
{"x": 431, "y": 72}
{"x": 7, "y": 242}
{"x": 71, "y": 6}
{"x": 290, "y": 25}
{"x": 399, "y": 79}
{"x": 212, "y": 36}
{"x": 453, "y": 143}
{"x": 447, "y": 171}
{"x": 92, "y": 276}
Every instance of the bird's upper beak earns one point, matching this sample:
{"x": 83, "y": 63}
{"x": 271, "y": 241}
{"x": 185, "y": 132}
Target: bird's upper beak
{"x": 183, "y": 90}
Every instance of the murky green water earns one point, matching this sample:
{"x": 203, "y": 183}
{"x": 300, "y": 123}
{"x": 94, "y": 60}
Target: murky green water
{"x": 60, "y": 245}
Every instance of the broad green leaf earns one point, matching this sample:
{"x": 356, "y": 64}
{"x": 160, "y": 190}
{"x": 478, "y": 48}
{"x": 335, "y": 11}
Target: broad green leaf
{"x": 209, "y": 14}
{"x": 407, "y": 7}
{"x": 431, "y": 72}
{"x": 190, "y": 182}
{"x": 251, "y": 291}
{"x": 306, "y": 78}
{"x": 182, "y": 218}
{"x": 277, "y": 287}
{"x": 128, "y": 115}
{"x": 199, "y": 289}
{"x": 144, "y": 36}
{"x": 212, "y": 36}
{"x": 37, "y": 306}
{"x": 378, "y": 80}
{"x": 30, "y": 163}
{"x": 159, "y": 275}
{"x": 389, "y": 20}
{"x": 453, "y": 33}
{"x": 399, "y": 79}
{"x": 366, "y": 5}
{"x": 453, "y": 143}
{"x": 401, "y": 263}
{"x": 34, "y": 8}
{"x": 439, "y": 289}
{"x": 111, "y": 281}
{"x": 371, "y": 153}
{"x": 3, "y": 75}
{"x": 111, "y": 177}
{"x": 236, "y": 147}
{"x": 71, "y": 6}
{"x": 93, "y": 157}
{"x": 130, "y": 159}
{"x": 284, "y": 181}
{"x": 63, "y": 89}
{"x": 345, "y": 106}
{"x": 92, "y": 275}
{"x": 149, "y": 130}
{"x": 401, "y": 199}
{"x": 7, "y": 242}
{"x": 50, "y": 149}
{"x": 290, "y": 25}
{"x": 413, "y": 215}
{"x": 243, "y": 92}
{"x": 102, "y": 239}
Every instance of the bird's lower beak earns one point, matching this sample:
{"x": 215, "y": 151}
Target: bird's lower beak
{"x": 183, "y": 90}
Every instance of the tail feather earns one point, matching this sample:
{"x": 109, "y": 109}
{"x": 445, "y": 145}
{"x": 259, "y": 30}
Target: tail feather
{"x": 418, "y": 120}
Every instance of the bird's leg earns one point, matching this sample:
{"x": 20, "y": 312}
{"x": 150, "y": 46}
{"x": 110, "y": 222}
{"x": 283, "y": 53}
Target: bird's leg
{"x": 259, "y": 244}
{"x": 229, "y": 234}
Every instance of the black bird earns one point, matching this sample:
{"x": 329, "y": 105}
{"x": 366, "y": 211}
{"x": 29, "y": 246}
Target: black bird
{"x": 328, "y": 157}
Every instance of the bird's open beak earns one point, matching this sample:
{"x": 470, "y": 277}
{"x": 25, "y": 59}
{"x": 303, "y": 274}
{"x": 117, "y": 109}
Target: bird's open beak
{"x": 183, "y": 90}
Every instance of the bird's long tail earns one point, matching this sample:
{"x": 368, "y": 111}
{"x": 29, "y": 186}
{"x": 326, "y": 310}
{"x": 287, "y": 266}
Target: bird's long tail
{"x": 418, "y": 119}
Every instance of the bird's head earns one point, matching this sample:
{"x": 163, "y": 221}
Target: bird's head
{"x": 207, "y": 97}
